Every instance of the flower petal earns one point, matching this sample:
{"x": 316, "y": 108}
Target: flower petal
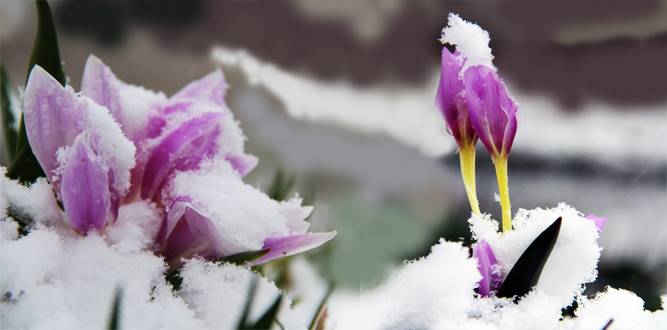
{"x": 451, "y": 101}
{"x": 132, "y": 106}
{"x": 210, "y": 88}
{"x": 487, "y": 266}
{"x": 598, "y": 221}
{"x": 53, "y": 117}
{"x": 284, "y": 246}
{"x": 492, "y": 111}
{"x": 186, "y": 233}
{"x": 182, "y": 149}
{"x": 84, "y": 187}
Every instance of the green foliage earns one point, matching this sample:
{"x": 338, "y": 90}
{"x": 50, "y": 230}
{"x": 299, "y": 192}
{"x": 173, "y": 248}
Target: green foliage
{"x": 526, "y": 272}
{"x": 320, "y": 315}
{"x": 7, "y": 119}
{"x": 114, "y": 318}
{"x": 45, "y": 54}
{"x": 281, "y": 185}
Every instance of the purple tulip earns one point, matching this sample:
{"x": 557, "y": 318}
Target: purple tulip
{"x": 188, "y": 231}
{"x": 116, "y": 143}
{"x": 492, "y": 111}
{"x": 452, "y": 101}
{"x": 488, "y": 267}
{"x": 80, "y": 148}
{"x": 598, "y": 221}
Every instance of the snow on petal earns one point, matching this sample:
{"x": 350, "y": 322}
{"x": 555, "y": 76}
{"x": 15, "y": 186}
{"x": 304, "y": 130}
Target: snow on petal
{"x": 84, "y": 188}
{"x": 54, "y": 116}
{"x": 451, "y": 100}
{"x": 210, "y": 88}
{"x": 132, "y": 106}
{"x": 470, "y": 40}
{"x": 182, "y": 149}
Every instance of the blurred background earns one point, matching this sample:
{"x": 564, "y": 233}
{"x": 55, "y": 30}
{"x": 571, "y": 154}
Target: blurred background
{"x": 340, "y": 96}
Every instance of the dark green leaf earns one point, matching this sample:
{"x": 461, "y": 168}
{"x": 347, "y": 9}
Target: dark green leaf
{"x": 527, "y": 270}
{"x": 114, "y": 318}
{"x": 174, "y": 278}
{"x": 7, "y": 119}
{"x": 243, "y": 320}
{"x": 243, "y": 257}
{"x": 266, "y": 320}
{"x": 281, "y": 185}
{"x": 320, "y": 315}
{"x": 608, "y": 324}
{"x": 45, "y": 54}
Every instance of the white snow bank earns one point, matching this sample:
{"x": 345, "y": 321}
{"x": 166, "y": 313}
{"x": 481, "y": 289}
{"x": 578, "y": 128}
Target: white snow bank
{"x": 437, "y": 292}
{"x": 59, "y": 282}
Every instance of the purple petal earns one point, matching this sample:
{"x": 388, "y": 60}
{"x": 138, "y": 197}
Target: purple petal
{"x": 492, "y": 111}
{"x": 84, "y": 188}
{"x": 132, "y": 106}
{"x": 450, "y": 99}
{"x": 487, "y": 266}
{"x": 53, "y": 117}
{"x": 242, "y": 163}
{"x": 210, "y": 88}
{"x": 598, "y": 221}
{"x": 186, "y": 233}
{"x": 284, "y": 246}
{"x": 182, "y": 149}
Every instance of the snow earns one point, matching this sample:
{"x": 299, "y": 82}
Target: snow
{"x": 436, "y": 292}
{"x": 471, "y": 41}
{"x": 573, "y": 260}
{"x": 244, "y": 215}
{"x": 136, "y": 227}
{"x": 36, "y": 202}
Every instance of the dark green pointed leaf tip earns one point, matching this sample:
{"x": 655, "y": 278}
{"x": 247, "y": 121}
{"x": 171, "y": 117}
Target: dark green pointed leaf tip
{"x": 526, "y": 272}
{"x": 243, "y": 257}
{"x": 269, "y": 317}
{"x": 114, "y": 318}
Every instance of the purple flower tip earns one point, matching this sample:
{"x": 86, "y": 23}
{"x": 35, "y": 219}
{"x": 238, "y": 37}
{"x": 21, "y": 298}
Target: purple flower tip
{"x": 598, "y": 221}
{"x": 451, "y": 101}
{"x": 493, "y": 113}
{"x": 488, "y": 267}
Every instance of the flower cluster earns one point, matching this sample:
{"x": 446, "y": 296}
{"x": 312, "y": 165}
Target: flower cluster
{"x": 114, "y": 144}
{"x": 476, "y": 105}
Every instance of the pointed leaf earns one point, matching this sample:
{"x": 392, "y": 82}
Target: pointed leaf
{"x": 7, "y": 119}
{"x": 526, "y": 272}
{"x": 243, "y": 257}
{"x": 266, "y": 320}
{"x": 252, "y": 290}
{"x": 320, "y": 316}
{"x": 45, "y": 54}
{"x": 114, "y": 318}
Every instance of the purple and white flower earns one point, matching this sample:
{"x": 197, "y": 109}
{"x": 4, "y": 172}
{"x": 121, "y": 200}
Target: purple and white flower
{"x": 115, "y": 143}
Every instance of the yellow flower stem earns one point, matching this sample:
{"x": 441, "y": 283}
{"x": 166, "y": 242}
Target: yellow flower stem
{"x": 467, "y": 158}
{"x": 503, "y": 188}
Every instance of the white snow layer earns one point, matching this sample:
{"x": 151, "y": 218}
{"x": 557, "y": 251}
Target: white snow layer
{"x": 436, "y": 292}
{"x": 471, "y": 41}
{"x": 58, "y": 282}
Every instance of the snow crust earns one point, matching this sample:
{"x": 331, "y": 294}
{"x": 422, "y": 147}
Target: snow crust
{"x": 244, "y": 215}
{"x": 437, "y": 292}
{"x": 470, "y": 40}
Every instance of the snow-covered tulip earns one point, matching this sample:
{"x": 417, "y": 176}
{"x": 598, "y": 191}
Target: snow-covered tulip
{"x": 493, "y": 115}
{"x": 488, "y": 267}
{"x": 598, "y": 221}
{"x": 81, "y": 149}
{"x": 212, "y": 213}
{"x": 452, "y": 103}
